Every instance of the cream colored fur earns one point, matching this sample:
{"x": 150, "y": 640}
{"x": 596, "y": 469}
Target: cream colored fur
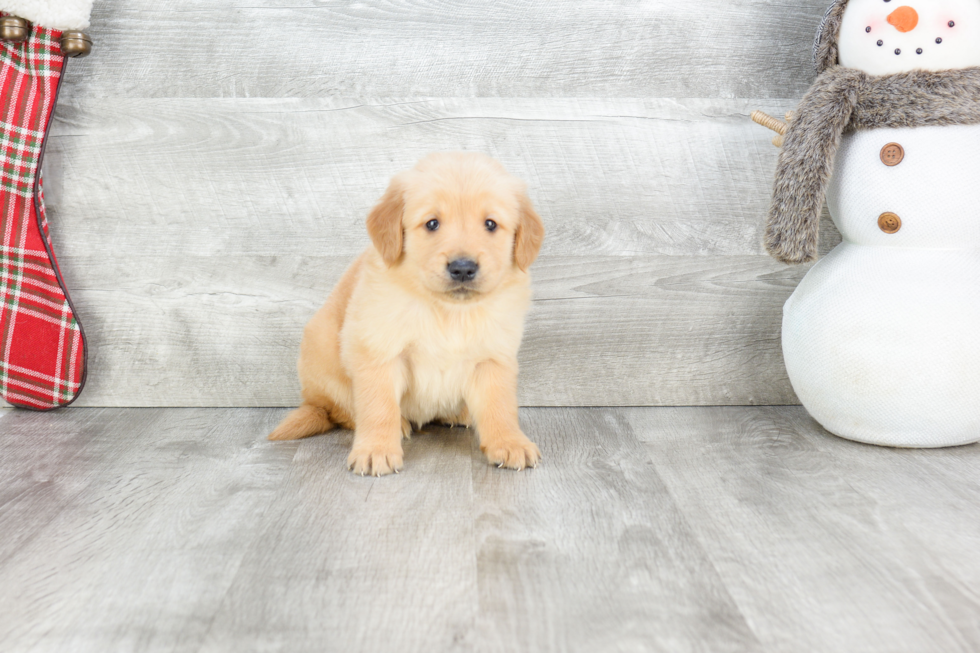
{"x": 52, "y": 14}
{"x": 399, "y": 343}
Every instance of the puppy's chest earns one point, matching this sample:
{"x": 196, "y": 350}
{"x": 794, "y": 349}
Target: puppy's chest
{"x": 451, "y": 360}
{"x": 437, "y": 370}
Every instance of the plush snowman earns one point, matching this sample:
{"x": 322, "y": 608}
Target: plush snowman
{"x": 882, "y": 337}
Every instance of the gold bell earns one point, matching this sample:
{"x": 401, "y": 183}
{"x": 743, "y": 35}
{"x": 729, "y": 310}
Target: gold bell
{"x": 75, "y": 44}
{"x": 14, "y": 29}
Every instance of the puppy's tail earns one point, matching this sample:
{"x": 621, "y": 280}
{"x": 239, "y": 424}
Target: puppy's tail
{"x": 303, "y": 422}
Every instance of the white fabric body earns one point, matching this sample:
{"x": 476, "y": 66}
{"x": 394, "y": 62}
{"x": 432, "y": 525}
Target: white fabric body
{"x": 52, "y": 14}
{"x": 882, "y": 336}
{"x": 960, "y": 47}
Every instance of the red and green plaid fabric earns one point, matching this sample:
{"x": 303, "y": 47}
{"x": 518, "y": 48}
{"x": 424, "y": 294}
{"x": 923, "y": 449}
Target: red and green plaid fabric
{"x": 42, "y": 351}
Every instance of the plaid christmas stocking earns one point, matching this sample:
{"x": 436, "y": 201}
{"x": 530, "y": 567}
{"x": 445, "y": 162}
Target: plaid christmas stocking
{"x": 42, "y": 347}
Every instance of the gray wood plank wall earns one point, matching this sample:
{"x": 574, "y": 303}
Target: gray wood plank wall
{"x": 212, "y": 162}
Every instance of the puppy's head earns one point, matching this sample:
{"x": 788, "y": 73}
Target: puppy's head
{"x": 457, "y": 224}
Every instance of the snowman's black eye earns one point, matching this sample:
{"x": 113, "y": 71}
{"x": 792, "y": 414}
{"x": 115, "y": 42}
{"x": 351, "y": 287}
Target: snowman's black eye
{"x": 918, "y": 51}
{"x": 898, "y": 51}
{"x": 880, "y": 43}
{"x": 952, "y": 24}
{"x": 939, "y": 40}
{"x": 868, "y": 28}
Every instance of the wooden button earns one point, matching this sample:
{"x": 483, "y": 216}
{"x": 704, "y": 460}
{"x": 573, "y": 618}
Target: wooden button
{"x": 892, "y": 154}
{"x": 889, "y": 222}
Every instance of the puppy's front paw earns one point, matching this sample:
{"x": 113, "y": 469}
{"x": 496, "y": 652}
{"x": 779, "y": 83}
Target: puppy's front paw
{"x": 374, "y": 459}
{"x": 511, "y": 451}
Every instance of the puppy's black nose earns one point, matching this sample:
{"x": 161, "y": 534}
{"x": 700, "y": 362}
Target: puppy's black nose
{"x": 463, "y": 269}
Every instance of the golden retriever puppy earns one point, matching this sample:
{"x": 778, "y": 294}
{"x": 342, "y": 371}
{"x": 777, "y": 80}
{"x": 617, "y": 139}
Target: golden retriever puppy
{"x": 426, "y": 324}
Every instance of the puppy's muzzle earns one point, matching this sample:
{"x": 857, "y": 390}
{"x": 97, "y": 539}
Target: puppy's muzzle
{"x": 462, "y": 270}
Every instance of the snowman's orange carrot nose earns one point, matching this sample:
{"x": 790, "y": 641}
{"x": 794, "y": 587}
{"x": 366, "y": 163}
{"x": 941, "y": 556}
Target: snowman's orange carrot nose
{"x": 904, "y": 19}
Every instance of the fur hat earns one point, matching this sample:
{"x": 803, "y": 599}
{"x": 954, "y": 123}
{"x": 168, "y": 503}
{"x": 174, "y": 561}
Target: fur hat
{"x": 825, "y": 45}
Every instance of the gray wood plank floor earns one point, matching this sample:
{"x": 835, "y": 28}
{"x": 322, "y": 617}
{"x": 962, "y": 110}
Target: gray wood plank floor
{"x": 646, "y": 529}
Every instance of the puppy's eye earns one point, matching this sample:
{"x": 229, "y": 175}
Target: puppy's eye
{"x": 491, "y": 225}
{"x": 432, "y": 225}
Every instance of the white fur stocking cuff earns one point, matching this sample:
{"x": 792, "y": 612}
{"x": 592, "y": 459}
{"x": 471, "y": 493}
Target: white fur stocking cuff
{"x": 52, "y": 14}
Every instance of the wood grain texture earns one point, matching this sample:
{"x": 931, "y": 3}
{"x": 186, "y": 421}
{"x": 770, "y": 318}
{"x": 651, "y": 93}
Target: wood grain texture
{"x": 39, "y": 475}
{"x": 348, "y": 563}
{"x": 588, "y": 552}
{"x": 809, "y": 530}
{"x": 198, "y": 236}
{"x": 225, "y": 331}
{"x": 652, "y": 529}
{"x": 143, "y": 513}
{"x": 210, "y": 167}
{"x": 297, "y": 177}
{"x": 399, "y": 48}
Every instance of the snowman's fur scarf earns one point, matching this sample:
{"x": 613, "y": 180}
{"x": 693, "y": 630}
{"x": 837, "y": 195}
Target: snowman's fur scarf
{"x": 825, "y": 45}
{"x": 52, "y": 14}
{"x": 844, "y": 100}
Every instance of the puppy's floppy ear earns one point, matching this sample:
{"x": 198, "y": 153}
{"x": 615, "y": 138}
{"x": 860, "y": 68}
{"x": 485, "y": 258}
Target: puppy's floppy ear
{"x": 384, "y": 222}
{"x": 529, "y": 235}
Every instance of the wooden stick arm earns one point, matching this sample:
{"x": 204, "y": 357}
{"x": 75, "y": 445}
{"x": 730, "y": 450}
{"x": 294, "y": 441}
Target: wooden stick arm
{"x": 774, "y": 124}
